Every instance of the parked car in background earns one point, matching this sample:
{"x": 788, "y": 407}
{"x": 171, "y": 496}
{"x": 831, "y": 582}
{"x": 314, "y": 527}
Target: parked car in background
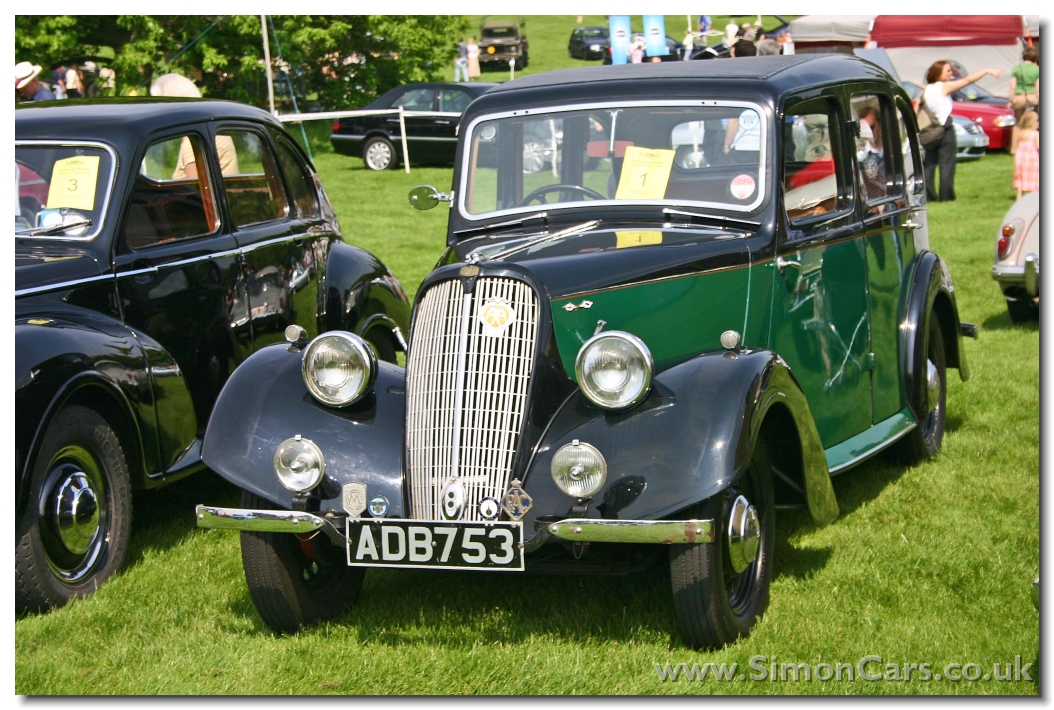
{"x": 971, "y": 141}
{"x": 503, "y": 40}
{"x": 1016, "y": 268}
{"x": 634, "y": 359}
{"x": 674, "y": 49}
{"x": 430, "y": 139}
{"x": 720, "y": 50}
{"x": 996, "y": 120}
{"x": 588, "y": 42}
{"x": 155, "y": 241}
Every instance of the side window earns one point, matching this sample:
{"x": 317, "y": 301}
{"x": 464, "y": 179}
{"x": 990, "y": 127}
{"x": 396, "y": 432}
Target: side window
{"x": 301, "y": 187}
{"x": 811, "y": 162}
{"x": 416, "y": 100}
{"x": 874, "y": 158}
{"x": 253, "y": 189}
{"x": 170, "y": 199}
{"x": 913, "y": 177}
{"x": 454, "y": 100}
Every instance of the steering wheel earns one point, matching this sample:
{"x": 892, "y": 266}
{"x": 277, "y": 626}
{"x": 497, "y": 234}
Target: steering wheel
{"x": 559, "y": 187}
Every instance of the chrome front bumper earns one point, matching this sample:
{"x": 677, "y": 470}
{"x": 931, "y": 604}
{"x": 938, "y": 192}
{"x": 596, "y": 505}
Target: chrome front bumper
{"x": 657, "y": 532}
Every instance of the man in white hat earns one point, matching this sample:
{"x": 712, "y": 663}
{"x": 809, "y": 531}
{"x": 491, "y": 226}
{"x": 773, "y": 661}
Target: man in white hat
{"x": 27, "y": 84}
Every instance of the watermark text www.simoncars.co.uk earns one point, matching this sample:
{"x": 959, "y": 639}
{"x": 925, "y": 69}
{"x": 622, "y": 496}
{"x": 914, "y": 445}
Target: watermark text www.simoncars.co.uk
{"x": 868, "y": 669}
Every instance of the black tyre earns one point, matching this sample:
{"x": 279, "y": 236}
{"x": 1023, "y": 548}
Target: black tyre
{"x": 74, "y": 534}
{"x": 924, "y": 441}
{"x": 379, "y": 154}
{"x": 721, "y": 589}
{"x": 1022, "y": 310}
{"x": 296, "y": 580}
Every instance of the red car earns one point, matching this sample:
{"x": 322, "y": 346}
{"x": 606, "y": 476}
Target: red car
{"x": 997, "y": 120}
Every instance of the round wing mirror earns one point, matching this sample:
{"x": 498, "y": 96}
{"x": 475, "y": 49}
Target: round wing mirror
{"x": 424, "y": 197}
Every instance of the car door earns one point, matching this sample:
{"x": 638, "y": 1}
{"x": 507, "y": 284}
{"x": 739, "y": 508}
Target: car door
{"x": 265, "y": 225}
{"x": 820, "y": 308}
{"x": 177, "y": 273}
{"x": 450, "y": 100}
{"x": 575, "y": 45}
{"x": 422, "y": 133}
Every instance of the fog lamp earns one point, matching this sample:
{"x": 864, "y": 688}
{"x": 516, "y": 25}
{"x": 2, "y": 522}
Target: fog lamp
{"x": 579, "y": 470}
{"x": 299, "y": 464}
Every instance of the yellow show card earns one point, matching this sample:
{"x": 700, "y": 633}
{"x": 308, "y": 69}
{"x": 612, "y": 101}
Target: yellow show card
{"x": 636, "y": 238}
{"x": 645, "y": 173}
{"x": 73, "y": 183}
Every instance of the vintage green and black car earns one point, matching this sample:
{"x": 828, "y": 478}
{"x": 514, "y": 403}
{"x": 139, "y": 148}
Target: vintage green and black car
{"x": 638, "y": 354}
{"x": 158, "y": 242}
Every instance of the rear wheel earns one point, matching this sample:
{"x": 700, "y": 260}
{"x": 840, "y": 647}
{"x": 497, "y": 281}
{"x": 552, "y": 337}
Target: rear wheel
{"x": 379, "y": 154}
{"x": 74, "y": 535}
{"x": 721, "y": 589}
{"x": 296, "y": 580}
{"x": 924, "y": 441}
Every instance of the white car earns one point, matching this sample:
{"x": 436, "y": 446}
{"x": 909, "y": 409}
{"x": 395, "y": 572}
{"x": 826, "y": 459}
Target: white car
{"x": 1016, "y": 267}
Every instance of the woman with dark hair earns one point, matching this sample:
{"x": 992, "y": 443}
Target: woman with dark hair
{"x": 1024, "y": 89}
{"x": 940, "y": 84}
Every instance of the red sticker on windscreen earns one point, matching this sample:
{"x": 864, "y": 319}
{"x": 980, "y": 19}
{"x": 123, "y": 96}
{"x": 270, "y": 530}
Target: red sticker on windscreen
{"x": 742, "y": 186}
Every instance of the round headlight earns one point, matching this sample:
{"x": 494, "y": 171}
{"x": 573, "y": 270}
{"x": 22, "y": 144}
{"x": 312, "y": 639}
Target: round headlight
{"x": 299, "y": 464}
{"x": 614, "y": 369}
{"x": 579, "y": 470}
{"x": 338, "y": 368}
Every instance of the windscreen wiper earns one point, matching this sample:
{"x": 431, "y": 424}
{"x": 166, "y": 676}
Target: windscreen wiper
{"x": 511, "y": 223}
{"x": 473, "y": 256}
{"x": 55, "y": 228}
{"x": 713, "y": 220}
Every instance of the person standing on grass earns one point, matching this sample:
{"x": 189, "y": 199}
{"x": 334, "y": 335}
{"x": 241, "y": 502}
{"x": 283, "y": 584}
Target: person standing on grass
{"x": 688, "y": 43}
{"x": 461, "y": 63}
{"x": 473, "y": 59}
{"x": 1026, "y": 159}
{"x": 1024, "y": 89}
{"x": 937, "y": 95}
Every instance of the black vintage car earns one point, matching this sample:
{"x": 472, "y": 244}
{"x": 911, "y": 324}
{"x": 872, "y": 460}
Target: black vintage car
{"x": 158, "y": 243}
{"x": 433, "y": 113}
{"x": 637, "y": 355}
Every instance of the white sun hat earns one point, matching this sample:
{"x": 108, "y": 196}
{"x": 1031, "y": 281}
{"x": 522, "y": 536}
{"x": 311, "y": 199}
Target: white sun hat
{"x": 174, "y": 85}
{"x": 25, "y": 73}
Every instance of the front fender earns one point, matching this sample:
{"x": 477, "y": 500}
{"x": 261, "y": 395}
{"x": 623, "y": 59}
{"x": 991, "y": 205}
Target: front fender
{"x": 688, "y": 440}
{"x": 363, "y": 294}
{"x": 266, "y": 402}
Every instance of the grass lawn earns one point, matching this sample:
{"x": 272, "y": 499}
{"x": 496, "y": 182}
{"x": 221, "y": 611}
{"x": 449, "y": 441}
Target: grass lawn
{"x": 925, "y": 565}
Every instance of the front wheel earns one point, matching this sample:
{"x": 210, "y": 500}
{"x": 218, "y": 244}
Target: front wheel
{"x": 74, "y": 535}
{"x": 379, "y": 154}
{"x": 296, "y": 580}
{"x": 721, "y": 589}
{"x": 924, "y": 441}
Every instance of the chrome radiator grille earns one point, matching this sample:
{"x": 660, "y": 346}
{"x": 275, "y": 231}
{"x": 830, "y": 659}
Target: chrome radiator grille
{"x": 466, "y": 390}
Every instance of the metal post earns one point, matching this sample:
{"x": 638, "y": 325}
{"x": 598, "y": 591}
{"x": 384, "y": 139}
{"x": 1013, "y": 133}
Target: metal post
{"x": 406, "y": 152}
{"x": 267, "y": 64}
{"x": 512, "y": 69}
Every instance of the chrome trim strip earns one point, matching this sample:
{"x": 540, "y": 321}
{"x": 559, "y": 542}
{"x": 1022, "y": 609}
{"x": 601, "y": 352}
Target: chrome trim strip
{"x": 106, "y": 201}
{"x": 61, "y": 286}
{"x": 257, "y": 520}
{"x": 659, "y": 532}
{"x": 569, "y": 107}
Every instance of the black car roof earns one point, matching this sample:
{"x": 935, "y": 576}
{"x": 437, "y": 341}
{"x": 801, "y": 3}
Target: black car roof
{"x": 119, "y": 120}
{"x": 772, "y": 74}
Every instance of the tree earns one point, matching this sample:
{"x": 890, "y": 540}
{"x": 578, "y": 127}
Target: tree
{"x": 346, "y": 60}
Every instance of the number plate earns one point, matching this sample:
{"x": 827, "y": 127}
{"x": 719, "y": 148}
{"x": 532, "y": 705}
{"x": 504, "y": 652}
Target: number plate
{"x": 433, "y": 544}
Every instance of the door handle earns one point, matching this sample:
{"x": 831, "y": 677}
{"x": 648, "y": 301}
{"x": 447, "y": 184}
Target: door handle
{"x": 442, "y": 122}
{"x": 912, "y": 225}
{"x": 783, "y": 264}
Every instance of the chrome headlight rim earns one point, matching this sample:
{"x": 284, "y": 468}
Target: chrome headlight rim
{"x": 364, "y": 351}
{"x": 583, "y": 380}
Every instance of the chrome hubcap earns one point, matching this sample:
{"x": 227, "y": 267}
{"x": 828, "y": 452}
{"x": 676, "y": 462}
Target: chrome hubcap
{"x": 76, "y": 513}
{"x": 533, "y": 158}
{"x": 378, "y": 155}
{"x": 933, "y": 385}
{"x": 744, "y": 534}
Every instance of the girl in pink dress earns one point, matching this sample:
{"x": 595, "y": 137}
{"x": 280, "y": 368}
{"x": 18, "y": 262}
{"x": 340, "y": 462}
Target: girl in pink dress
{"x": 1026, "y": 159}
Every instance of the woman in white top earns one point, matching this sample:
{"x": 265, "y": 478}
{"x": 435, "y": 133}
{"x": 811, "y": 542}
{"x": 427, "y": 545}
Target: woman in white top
{"x": 940, "y": 84}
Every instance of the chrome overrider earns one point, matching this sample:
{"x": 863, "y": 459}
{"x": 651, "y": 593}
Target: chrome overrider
{"x": 663, "y": 532}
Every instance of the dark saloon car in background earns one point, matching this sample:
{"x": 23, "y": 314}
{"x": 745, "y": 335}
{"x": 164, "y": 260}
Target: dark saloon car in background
{"x": 588, "y": 43}
{"x": 431, "y": 125}
{"x": 719, "y": 295}
{"x": 158, "y": 242}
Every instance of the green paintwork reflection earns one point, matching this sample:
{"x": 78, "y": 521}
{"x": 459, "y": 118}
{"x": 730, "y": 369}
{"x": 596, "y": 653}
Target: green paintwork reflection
{"x": 841, "y": 456}
{"x": 676, "y": 318}
{"x": 890, "y": 254}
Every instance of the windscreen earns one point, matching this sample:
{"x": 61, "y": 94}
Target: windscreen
{"x": 61, "y": 184}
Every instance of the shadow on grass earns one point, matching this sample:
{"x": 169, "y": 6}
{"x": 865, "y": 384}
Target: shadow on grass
{"x": 1002, "y": 321}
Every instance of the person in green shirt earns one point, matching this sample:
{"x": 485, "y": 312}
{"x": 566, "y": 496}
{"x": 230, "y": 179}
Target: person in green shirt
{"x": 1024, "y": 89}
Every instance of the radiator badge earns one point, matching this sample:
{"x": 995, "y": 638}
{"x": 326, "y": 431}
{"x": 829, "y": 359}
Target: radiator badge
{"x": 354, "y": 498}
{"x": 496, "y": 315}
{"x": 453, "y": 499}
{"x": 516, "y": 502}
{"x": 489, "y": 508}
{"x": 378, "y": 506}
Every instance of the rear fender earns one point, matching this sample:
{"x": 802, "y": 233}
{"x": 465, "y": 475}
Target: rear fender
{"x": 266, "y": 402}
{"x": 688, "y": 440}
